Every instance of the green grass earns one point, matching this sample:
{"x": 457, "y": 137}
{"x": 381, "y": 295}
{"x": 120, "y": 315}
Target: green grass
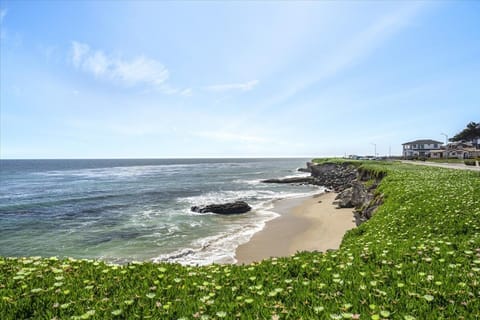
{"x": 417, "y": 258}
{"x": 336, "y": 161}
{"x": 327, "y": 160}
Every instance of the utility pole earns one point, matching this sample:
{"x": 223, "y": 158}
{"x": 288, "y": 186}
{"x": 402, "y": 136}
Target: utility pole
{"x": 446, "y": 143}
{"x": 446, "y": 138}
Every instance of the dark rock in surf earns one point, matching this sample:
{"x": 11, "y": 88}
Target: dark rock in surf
{"x": 236, "y": 207}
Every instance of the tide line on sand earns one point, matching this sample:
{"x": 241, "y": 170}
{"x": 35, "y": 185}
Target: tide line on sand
{"x": 306, "y": 224}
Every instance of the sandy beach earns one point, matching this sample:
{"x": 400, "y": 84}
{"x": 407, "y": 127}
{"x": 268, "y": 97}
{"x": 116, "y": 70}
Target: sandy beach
{"x": 305, "y": 224}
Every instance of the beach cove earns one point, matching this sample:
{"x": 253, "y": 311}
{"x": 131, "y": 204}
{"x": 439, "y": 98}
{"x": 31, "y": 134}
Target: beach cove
{"x": 318, "y": 222}
{"x": 305, "y": 224}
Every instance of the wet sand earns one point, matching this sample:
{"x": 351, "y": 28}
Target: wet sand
{"x": 305, "y": 224}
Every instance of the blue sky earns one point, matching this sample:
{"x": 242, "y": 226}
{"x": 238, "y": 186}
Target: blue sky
{"x": 105, "y": 79}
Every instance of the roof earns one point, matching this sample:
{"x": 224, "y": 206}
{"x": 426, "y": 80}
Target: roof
{"x": 424, "y": 141}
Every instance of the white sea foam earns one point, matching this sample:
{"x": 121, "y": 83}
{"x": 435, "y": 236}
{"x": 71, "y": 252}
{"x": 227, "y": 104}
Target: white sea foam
{"x": 219, "y": 197}
{"x": 118, "y": 172}
{"x": 255, "y": 195}
{"x": 297, "y": 175}
{"x": 219, "y": 248}
{"x": 249, "y": 182}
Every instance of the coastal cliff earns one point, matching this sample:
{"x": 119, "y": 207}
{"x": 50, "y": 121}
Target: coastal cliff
{"x": 335, "y": 176}
{"x": 355, "y": 185}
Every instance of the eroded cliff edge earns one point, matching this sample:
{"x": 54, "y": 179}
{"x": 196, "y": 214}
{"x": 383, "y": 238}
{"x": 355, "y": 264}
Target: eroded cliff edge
{"x": 355, "y": 185}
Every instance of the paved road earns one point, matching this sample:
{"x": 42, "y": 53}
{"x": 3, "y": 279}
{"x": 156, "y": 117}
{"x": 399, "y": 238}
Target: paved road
{"x": 460, "y": 166}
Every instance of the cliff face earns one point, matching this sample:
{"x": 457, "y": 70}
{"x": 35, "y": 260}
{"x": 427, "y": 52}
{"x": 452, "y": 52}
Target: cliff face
{"x": 337, "y": 177}
{"x": 356, "y": 187}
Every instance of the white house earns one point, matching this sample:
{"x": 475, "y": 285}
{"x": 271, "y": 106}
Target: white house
{"x": 459, "y": 150}
{"x": 420, "y": 148}
{"x": 463, "y": 150}
{"x": 437, "y": 154}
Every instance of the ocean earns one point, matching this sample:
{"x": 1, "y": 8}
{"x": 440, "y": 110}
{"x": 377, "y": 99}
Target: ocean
{"x": 137, "y": 209}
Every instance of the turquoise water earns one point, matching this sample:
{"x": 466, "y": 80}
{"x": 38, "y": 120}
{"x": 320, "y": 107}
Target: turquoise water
{"x": 124, "y": 210}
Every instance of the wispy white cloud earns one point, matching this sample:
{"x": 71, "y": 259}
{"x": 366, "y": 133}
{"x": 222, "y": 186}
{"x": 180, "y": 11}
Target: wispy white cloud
{"x": 352, "y": 51}
{"x": 369, "y": 39}
{"x": 3, "y": 32}
{"x": 245, "y": 86}
{"x": 186, "y": 92}
{"x": 9, "y": 37}
{"x": 137, "y": 71}
{"x": 79, "y": 51}
{"x": 3, "y": 13}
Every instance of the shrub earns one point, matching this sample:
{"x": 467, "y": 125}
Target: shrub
{"x": 469, "y": 162}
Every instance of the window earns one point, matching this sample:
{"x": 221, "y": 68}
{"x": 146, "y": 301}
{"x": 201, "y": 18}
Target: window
{"x": 435, "y": 145}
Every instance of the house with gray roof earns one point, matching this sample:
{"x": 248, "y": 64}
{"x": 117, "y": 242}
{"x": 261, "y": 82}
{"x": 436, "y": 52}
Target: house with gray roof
{"x": 457, "y": 149}
{"x": 420, "y": 148}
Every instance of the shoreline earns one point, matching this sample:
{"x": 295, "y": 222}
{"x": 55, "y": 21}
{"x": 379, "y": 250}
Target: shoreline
{"x": 310, "y": 223}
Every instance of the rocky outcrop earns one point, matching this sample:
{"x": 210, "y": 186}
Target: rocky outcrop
{"x": 362, "y": 195}
{"x": 300, "y": 180}
{"x": 356, "y": 186}
{"x": 337, "y": 177}
{"x": 236, "y": 207}
{"x": 365, "y": 212}
{"x": 353, "y": 197}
